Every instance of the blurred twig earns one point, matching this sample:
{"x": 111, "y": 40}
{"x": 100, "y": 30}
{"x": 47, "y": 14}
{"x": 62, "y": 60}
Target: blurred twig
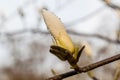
{"x": 16, "y": 11}
{"x": 96, "y": 36}
{"x": 58, "y": 8}
{"x": 34, "y": 31}
{"x": 86, "y": 17}
{"x": 86, "y": 68}
{"x": 118, "y": 31}
{"x": 111, "y": 5}
{"x": 117, "y": 10}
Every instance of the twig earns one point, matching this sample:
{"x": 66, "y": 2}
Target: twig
{"x": 34, "y": 31}
{"x": 96, "y": 36}
{"x": 108, "y": 3}
{"x": 86, "y": 17}
{"x": 117, "y": 9}
{"x": 86, "y": 68}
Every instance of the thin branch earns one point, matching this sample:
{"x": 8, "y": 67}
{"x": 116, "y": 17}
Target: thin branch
{"x": 86, "y": 68}
{"x": 58, "y": 8}
{"x": 117, "y": 10}
{"x": 108, "y": 3}
{"x": 96, "y": 36}
{"x": 86, "y": 17}
{"x": 34, "y": 31}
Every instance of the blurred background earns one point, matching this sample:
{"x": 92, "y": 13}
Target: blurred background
{"x": 25, "y": 41}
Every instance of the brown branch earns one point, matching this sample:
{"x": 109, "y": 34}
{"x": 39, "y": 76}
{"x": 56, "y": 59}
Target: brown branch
{"x": 96, "y": 36}
{"x": 34, "y": 31}
{"x": 86, "y": 68}
{"x": 117, "y": 9}
{"x": 108, "y": 3}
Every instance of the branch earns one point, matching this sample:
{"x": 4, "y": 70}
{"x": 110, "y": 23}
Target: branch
{"x": 86, "y": 17}
{"x": 86, "y": 68}
{"x": 34, "y": 31}
{"x": 96, "y": 36}
{"x": 108, "y": 3}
